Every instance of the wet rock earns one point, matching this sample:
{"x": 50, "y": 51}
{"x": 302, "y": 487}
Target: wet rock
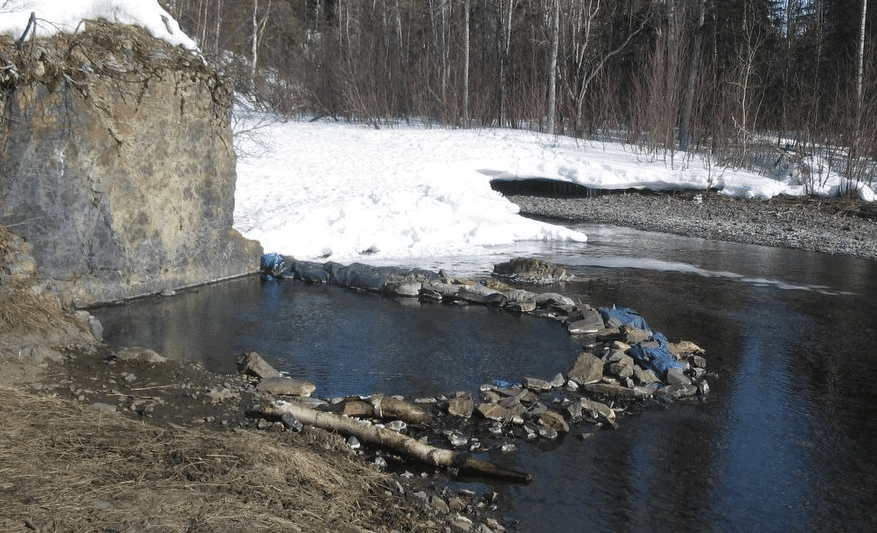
{"x": 529, "y": 270}
{"x": 140, "y": 355}
{"x": 554, "y": 420}
{"x": 286, "y": 386}
{"x": 554, "y": 300}
{"x": 558, "y": 380}
{"x": 675, "y": 376}
{"x": 677, "y": 391}
{"x": 622, "y": 366}
{"x": 682, "y": 347}
{"x": 536, "y": 384}
{"x": 598, "y": 410}
{"x": 612, "y": 391}
{"x": 644, "y": 376}
{"x": 521, "y": 307}
{"x": 697, "y": 361}
{"x": 591, "y": 322}
{"x": 587, "y": 369}
{"x": 634, "y": 335}
{"x": 457, "y": 439}
{"x": 403, "y": 287}
{"x": 492, "y": 411}
{"x": 252, "y": 363}
{"x": 461, "y": 405}
{"x": 520, "y": 296}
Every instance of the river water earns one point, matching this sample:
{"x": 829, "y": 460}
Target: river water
{"x": 785, "y": 441}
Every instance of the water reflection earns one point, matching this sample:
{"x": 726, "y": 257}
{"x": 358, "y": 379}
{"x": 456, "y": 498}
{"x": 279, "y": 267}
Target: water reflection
{"x": 784, "y": 442}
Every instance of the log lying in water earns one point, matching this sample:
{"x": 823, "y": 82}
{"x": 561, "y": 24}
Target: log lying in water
{"x": 395, "y": 441}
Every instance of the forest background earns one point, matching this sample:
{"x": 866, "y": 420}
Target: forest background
{"x": 753, "y": 84}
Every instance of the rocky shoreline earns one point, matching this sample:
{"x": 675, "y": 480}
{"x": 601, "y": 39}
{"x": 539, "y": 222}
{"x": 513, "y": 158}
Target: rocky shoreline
{"x": 832, "y": 225}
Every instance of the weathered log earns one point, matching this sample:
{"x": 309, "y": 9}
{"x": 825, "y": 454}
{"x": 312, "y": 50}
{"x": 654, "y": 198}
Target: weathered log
{"x": 388, "y": 407}
{"x": 395, "y": 441}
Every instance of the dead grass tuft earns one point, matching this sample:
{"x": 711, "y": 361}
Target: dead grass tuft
{"x": 68, "y": 468}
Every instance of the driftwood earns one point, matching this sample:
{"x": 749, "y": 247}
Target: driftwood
{"x": 385, "y": 407}
{"x": 395, "y": 441}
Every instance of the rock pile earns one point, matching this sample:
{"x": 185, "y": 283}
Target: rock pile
{"x": 622, "y": 363}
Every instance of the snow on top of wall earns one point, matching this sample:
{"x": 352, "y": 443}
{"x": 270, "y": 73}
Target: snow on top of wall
{"x": 53, "y": 16}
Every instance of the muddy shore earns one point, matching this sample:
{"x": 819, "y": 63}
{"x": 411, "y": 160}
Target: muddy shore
{"x": 145, "y": 445}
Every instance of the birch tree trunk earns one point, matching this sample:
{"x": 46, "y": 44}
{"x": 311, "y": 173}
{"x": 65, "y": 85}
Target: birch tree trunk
{"x": 466, "y": 65}
{"x": 552, "y": 68}
{"x": 394, "y": 440}
{"x": 860, "y": 67}
{"x": 693, "y": 68}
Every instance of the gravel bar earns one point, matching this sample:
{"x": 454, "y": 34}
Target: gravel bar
{"x": 831, "y": 225}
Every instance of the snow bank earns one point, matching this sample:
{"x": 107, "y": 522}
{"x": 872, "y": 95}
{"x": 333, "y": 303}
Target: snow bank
{"x": 53, "y": 16}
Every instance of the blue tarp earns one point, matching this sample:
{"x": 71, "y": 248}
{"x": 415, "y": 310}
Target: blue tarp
{"x": 654, "y": 354}
{"x": 616, "y": 317}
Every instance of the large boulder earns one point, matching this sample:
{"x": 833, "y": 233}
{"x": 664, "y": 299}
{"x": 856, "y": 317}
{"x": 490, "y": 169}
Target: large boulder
{"x": 117, "y": 164}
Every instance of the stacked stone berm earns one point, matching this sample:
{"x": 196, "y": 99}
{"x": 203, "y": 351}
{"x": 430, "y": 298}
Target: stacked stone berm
{"x": 117, "y": 165}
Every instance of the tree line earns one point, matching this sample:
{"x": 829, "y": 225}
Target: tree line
{"x": 743, "y": 80}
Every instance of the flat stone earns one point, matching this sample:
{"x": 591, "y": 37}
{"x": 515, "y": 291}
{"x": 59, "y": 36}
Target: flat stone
{"x": 634, "y": 335}
{"x": 521, "y": 307}
{"x": 142, "y": 355}
{"x": 675, "y": 376}
{"x": 587, "y": 369}
{"x": 286, "y": 386}
{"x": 554, "y": 420}
{"x": 404, "y": 288}
{"x": 677, "y": 391}
{"x": 611, "y": 390}
{"x": 681, "y": 347}
{"x": 253, "y": 363}
{"x": 598, "y": 410}
{"x": 644, "y": 376}
{"x": 536, "y": 384}
{"x": 623, "y": 368}
{"x": 461, "y": 406}
{"x": 591, "y": 322}
{"x": 492, "y": 411}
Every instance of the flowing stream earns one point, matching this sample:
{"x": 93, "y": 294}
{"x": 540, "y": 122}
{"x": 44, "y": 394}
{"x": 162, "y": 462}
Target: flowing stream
{"x": 784, "y": 442}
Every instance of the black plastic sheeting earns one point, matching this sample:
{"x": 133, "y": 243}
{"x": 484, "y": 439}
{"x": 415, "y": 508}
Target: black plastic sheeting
{"x": 355, "y": 275}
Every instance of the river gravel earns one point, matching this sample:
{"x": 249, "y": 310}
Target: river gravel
{"x": 836, "y": 226}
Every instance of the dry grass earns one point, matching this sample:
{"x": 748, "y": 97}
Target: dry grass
{"x": 67, "y": 468}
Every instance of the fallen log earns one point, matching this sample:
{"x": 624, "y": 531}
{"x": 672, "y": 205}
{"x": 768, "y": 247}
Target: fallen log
{"x": 395, "y": 441}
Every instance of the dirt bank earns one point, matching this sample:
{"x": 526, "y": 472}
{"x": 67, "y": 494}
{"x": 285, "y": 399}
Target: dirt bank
{"x": 92, "y": 442}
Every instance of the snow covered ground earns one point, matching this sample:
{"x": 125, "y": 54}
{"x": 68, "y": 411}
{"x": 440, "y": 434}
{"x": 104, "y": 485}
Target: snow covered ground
{"x": 344, "y": 192}
{"x": 53, "y": 16}
{"x": 349, "y": 192}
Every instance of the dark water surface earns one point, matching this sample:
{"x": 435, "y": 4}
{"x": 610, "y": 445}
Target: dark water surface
{"x": 786, "y": 441}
